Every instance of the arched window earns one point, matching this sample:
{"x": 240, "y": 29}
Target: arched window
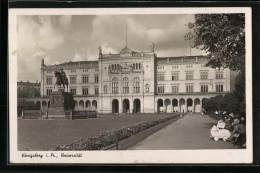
{"x": 136, "y": 85}
{"x": 105, "y": 89}
{"x": 125, "y": 85}
{"x": 114, "y": 85}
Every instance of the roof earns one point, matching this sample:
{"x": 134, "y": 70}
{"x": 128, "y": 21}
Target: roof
{"x": 74, "y": 64}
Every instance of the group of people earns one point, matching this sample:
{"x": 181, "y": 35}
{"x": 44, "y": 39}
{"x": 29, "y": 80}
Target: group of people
{"x": 237, "y": 126}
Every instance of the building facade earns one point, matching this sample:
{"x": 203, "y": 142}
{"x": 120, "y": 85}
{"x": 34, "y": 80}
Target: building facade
{"x": 28, "y": 89}
{"x": 138, "y": 82}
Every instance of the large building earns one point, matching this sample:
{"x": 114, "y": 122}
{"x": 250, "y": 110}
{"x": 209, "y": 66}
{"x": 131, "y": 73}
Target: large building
{"x": 138, "y": 82}
{"x": 28, "y": 89}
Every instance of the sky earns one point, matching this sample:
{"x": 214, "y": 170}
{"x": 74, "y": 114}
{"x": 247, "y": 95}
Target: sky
{"x": 60, "y": 39}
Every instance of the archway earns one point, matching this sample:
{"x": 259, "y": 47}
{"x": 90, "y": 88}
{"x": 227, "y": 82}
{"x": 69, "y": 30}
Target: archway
{"x": 159, "y": 104}
{"x": 94, "y": 104}
{"x": 168, "y": 106}
{"x": 175, "y": 105}
{"x": 81, "y": 105}
{"x": 44, "y": 106}
{"x": 126, "y": 106}
{"x": 182, "y": 105}
{"x": 197, "y": 105}
{"x": 76, "y": 105}
{"x": 137, "y": 106}
{"x": 38, "y": 104}
{"x": 87, "y": 105}
{"x": 115, "y": 106}
{"x": 189, "y": 105}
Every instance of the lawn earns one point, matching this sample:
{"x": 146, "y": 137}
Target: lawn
{"x": 46, "y": 134}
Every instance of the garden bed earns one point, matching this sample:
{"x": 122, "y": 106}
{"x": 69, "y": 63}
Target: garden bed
{"x": 107, "y": 138}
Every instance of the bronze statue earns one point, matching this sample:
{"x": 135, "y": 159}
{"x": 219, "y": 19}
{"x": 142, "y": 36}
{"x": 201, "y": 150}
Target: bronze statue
{"x": 61, "y": 78}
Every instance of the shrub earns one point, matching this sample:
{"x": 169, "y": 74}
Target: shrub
{"x": 107, "y": 138}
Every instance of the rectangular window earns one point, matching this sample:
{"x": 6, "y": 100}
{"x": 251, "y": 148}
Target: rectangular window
{"x": 219, "y": 75}
{"x": 49, "y": 91}
{"x": 175, "y": 76}
{"x": 204, "y": 88}
{"x": 204, "y": 75}
{"x": 125, "y": 87}
{"x": 96, "y": 78}
{"x": 219, "y": 88}
{"x": 73, "y": 91}
{"x": 49, "y": 80}
{"x": 96, "y": 91}
{"x": 189, "y": 88}
{"x": 189, "y": 76}
{"x": 175, "y": 89}
{"x": 84, "y": 79}
{"x": 85, "y": 91}
{"x": 73, "y": 79}
{"x": 160, "y": 89}
{"x": 160, "y": 77}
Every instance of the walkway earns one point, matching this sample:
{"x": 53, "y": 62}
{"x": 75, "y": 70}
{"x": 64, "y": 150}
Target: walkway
{"x": 189, "y": 132}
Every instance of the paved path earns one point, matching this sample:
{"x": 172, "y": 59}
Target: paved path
{"x": 189, "y": 132}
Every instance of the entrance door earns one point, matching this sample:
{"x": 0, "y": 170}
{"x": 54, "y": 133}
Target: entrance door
{"x": 137, "y": 106}
{"x": 126, "y": 107}
{"x": 115, "y": 106}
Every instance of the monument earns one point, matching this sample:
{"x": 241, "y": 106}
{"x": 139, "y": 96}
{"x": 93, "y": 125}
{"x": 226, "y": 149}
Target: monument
{"x": 61, "y": 102}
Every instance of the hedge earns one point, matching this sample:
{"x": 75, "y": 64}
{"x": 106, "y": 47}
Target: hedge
{"x": 107, "y": 138}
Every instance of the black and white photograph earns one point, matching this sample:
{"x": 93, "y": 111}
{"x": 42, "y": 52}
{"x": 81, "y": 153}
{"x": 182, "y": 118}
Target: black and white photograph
{"x": 161, "y": 85}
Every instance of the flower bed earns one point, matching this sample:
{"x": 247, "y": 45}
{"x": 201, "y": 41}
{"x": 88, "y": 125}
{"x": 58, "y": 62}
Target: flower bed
{"x": 110, "y": 137}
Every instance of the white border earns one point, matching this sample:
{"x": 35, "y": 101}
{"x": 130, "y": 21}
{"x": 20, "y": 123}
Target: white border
{"x": 143, "y": 156}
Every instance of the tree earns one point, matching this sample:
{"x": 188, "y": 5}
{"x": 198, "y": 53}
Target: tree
{"x": 222, "y": 36}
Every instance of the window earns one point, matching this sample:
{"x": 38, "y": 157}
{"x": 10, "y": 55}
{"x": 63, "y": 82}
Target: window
{"x": 219, "y": 88}
{"x": 189, "y": 88}
{"x": 105, "y": 89}
{"x": 203, "y": 75}
{"x": 137, "y": 66}
{"x": 204, "y": 88}
{"x": 189, "y": 75}
{"x": 219, "y": 75}
{"x": 160, "y": 67}
{"x": 73, "y": 91}
{"x": 175, "y": 76}
{"x": 175, "y": 66}
{"x": 160, "y": 77}
{"x": 160, "y": 89}
{"x": 115, "y": 86}
{"x": 136, "y": 85}
{"x": 188, "y": 66}
{"x": 125, "y": 85}
{"x": 84, "y": 79}
{"x": 85, "y": 91}
{"x": 73, "y": 79}
{"x": 96, "y": 78}
{"x": 49, "y": 91}
{"x": 175, "y": 89}
{"x": 96, "y": 91}
{"x": 49, "y": 80}
{"x": 73, "y": 71}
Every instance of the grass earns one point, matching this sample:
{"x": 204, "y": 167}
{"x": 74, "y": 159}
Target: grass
{"x": 46, "y": 134}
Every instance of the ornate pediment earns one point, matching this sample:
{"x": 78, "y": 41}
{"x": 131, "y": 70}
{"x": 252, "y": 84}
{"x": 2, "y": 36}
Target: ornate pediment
{"x": 126, "y": 52}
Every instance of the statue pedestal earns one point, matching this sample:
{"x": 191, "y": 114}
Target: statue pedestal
{"x": 59, "y": 103}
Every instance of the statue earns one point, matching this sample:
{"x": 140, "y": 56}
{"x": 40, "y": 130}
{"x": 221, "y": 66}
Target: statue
{"x": 61, "y": 78}
{"x": 153, "y": 47}
{"x": 147, "y": 88}
{"x": 100, "y": 49}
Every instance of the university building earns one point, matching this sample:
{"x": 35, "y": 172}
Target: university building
{"x": 138, "y": 82}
